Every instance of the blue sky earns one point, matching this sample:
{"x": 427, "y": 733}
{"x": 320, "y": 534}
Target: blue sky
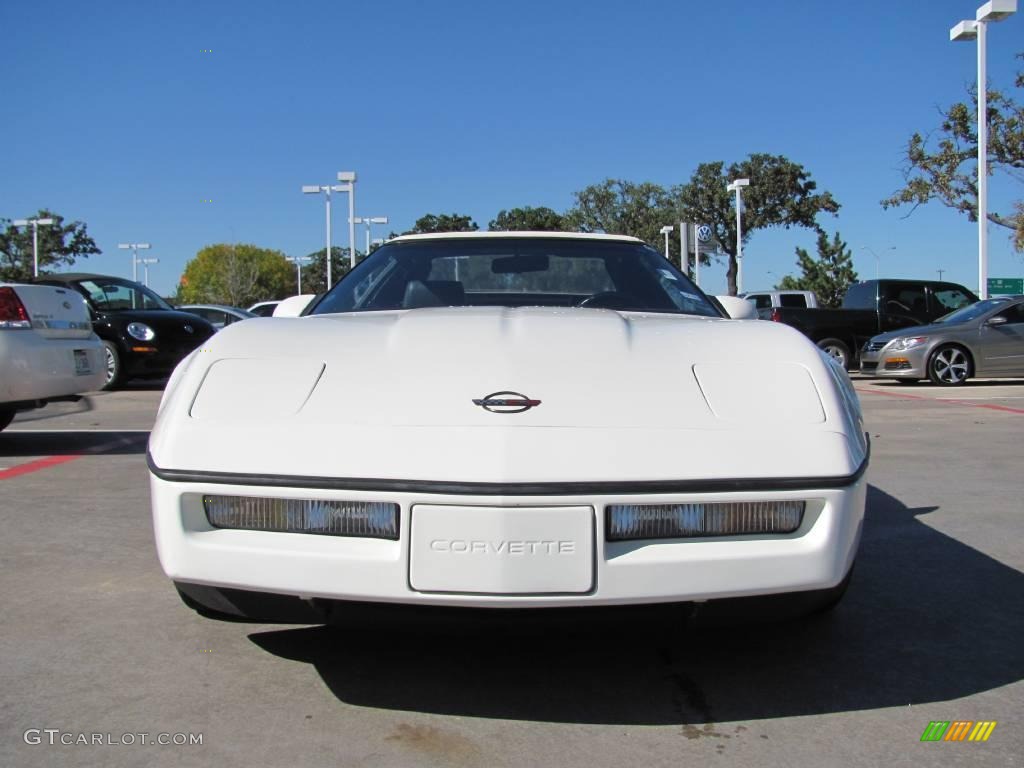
{"x": 117, "y": 117}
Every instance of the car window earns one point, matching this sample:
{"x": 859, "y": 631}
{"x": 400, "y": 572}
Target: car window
{"x": 898, "y": 299}
{"x": 114, "y": 295}
{"x": 971, "y": 312}
{"x": 761, "y": 300}
{"x": 516, "y": 272}
{"x": 948, "y": 299}
{"x": 860, "y": 296}
{"x": 792, "y": 300}
{"x": 1014, "y": 314}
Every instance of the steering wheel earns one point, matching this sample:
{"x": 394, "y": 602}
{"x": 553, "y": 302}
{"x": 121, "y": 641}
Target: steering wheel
{"x": 608, "y": 300}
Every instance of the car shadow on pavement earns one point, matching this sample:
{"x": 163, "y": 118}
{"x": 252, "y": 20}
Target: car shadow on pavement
{"x": 926, "y": 619}
{"x": 61, "y": 443}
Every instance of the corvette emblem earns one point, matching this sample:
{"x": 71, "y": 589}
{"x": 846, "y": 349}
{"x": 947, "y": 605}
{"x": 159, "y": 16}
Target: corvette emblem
{"x": 506, "y": 402}
{"x": 66, "y": 304}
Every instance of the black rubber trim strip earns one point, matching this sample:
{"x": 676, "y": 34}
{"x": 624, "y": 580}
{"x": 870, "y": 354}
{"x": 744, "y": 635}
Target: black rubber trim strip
{"x": 585, "y": 488}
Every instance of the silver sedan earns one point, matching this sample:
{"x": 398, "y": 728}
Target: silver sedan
{"x": 985, "y": 339}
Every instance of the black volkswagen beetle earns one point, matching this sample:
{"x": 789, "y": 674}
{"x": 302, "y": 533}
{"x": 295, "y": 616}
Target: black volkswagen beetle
{"x": 143, "y": 335}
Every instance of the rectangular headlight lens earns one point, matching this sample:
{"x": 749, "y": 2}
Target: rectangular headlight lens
{"x": 371, "y": 519}
{"x": 680, "y": 521}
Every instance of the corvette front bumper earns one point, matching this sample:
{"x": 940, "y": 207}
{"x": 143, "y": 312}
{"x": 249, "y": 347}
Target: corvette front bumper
{"x": 815, "y": 556}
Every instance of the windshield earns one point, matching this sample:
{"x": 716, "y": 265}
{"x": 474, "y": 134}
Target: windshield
{"x": 516, "y": 272}
{"x": 109, "y": 294}
{"x": 971, "y": 312}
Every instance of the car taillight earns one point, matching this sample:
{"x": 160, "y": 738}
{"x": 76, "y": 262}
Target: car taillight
{"x": 12, "y": 312}
{"x": 776, "y": 317}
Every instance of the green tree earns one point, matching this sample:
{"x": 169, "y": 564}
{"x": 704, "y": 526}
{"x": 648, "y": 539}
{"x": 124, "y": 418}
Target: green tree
{"x": 60, "y": 245}
{"x": 445, "y": 222}
{"x": 828, "y": 276}
{"x": 314, "y": 270}
{"x": 236, "y": 274}
{"x": 528, "y": 220}
{"x": 623, "y": 207}
{"x": 781, "y": 194}
{"x": 944, "y": 167}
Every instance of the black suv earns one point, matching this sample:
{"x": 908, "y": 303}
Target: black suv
{"x": 143, "y": 335}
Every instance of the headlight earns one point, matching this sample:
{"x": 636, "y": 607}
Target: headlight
{"x": 370, "y": 519}
{"x": 141, "y": 331}
{"x": 678, "y": 521}
{"x": 907, "y": 342}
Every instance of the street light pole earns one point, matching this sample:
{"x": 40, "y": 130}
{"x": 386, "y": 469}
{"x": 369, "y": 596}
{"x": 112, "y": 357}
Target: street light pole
{"x": 349, "y": 179}
{"x": 667, "y": 230}
{"x": 994, "y": 10}
{"x": 368, "y": 220}
{"x": 35, "y": 238}
{"x": 145, "y": 269}
{"x": 696, "y": 255}
{"x": 297, "y": 261}
{"x": 315, "y": 189}
{"x": 737, "y": 187}
{"x": 134, "y": 248}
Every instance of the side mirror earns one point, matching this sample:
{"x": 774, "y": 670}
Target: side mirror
{"x": 737, "y": 308}
{"x": 997, "y": 320}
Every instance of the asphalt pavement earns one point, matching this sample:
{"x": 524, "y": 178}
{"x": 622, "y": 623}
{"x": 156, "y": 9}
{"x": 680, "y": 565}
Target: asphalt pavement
{"x": 96, "y": 644}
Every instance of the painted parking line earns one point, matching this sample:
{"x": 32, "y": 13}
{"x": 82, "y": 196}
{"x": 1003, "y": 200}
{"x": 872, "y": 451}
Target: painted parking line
{"x": 984, "y": 397}
{"x": 52, "y": 461}
{"x": 38, "y": 464}
{"x": 943, "y": 400}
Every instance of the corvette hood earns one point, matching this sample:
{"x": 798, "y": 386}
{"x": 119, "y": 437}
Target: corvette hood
{"x": 621, "y": 395}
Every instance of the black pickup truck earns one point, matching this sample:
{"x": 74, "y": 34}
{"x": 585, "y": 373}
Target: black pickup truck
{"x": 870, "y": 308}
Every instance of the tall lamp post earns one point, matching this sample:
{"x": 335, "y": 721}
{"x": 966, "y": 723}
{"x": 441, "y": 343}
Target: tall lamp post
{"x": 737, "y": 187}
{"x": 298, "y": 261}
{"x": 994, "y": 10}
{"x": 368, "y": 220}
{"x": 667, "y": 230}
{"x": 349, "y": 177}
{"x": 878, "y": 260}
{"x": 35, "y": 238}
{"x": 134, "y": 248}
{"x": 145, "y": 269}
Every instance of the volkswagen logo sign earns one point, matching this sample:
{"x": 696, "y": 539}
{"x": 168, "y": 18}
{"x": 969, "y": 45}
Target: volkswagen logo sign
{"x": 704, "y": 233}
{"x": 506, "y": 402}
{"x": 188, "y": 328}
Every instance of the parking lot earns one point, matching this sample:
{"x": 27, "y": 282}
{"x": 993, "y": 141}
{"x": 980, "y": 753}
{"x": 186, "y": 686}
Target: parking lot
{"x": 96, "y": 641}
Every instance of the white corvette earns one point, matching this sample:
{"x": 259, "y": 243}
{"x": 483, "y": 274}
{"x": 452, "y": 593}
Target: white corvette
{"x": 506, "y": 420}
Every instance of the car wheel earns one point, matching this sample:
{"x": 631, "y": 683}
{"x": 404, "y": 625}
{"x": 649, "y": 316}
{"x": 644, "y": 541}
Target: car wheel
{"x": 838, "y": 351}
{"x": 949, "y": 366}
{"x": 6, "y": 417}
{"x": 113, "y": 366}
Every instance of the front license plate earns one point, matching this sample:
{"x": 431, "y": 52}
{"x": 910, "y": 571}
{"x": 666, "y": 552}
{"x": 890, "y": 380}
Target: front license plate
{"x": 502, "y": 550}
{"x": 82, "y": 365}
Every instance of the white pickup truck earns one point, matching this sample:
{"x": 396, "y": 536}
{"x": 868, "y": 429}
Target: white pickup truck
{"x": 770, "y": 299}
{"x": 48, "y": 350}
